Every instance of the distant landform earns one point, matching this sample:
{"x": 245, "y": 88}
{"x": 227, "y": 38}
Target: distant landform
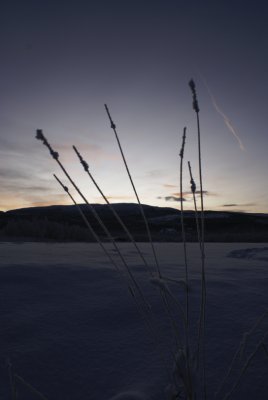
{"x": 64, "y": 224}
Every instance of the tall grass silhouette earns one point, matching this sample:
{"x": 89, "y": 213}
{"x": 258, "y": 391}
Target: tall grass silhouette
{"x": 201, "y": 334}
{"x": 186, "y": 347}
{"x": 116, "y": 215}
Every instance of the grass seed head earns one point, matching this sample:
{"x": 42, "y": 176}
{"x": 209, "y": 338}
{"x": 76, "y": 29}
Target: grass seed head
{"x": 183, "y": 143}
{"x": 82, "y": 161}
{"x": 40, "y": 136}
{"x": 193, "y": 90}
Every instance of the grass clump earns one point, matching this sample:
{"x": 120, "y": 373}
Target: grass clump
{"x": 186, "y": 347}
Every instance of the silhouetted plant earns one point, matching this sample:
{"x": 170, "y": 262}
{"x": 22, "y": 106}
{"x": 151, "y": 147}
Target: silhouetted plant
{"x": 201, "y": 335}
{"x": 188, "y": 357}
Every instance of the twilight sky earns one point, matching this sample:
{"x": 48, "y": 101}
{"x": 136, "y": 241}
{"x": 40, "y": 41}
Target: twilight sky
{"x": 62, "y": 60}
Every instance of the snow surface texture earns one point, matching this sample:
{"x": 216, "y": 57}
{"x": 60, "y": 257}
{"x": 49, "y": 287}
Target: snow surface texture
{"x": 72, "y": 330}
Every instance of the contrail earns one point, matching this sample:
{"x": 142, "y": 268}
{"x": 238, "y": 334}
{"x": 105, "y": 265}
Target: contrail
{"x": 225, "y": 118}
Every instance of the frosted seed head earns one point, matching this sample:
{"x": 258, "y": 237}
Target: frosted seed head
{"x": 192, "y": 85}
{"x": 39, "y": 134}
{"x": 85, "y": 165}
{"x": 54, "y": 154}
{"x": 195, "y": 102}
{"x": 193, "y": 186}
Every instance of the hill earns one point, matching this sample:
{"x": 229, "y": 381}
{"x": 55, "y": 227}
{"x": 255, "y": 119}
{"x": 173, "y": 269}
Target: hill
{"x": 64, "y": 223}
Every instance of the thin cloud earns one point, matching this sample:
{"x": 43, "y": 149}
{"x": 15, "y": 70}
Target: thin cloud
{"x": 189, "y": 193}
{"x": 239, "y": 205}
{"x": 186, "y": 196}
{"x": 17, "y": 180}
{"x": 8, "y": 173}
{"x": 226, "y": 120}
{"x": 172, "y": 198}
{"x": 20, "y": 186}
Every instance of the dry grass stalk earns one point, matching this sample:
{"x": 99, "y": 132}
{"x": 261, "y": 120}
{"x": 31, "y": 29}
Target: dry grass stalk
{"x": 15, "y": 378}
{"x": 150, "y": 323}
{"x": 55, "y": 155}
{"x": 201, "y": 339}
{"x": 196, "y": 109}
{"x": 30, "y": 387}
{"x": 93, "y": 233}
{"x": 259, "y": 346}
{"x": 116, "y": 215}
{"x": 113, "y": 126}
{"x": 96, "y": 237}
{"x": 185, "y": 258}
{"x": 241, "y": 348}
{"x": 162, "y": 292}
{"x": 12, "y": 382}
{"x": 182, "y": 226}
{"x": 193, "y": 190}
{"x": 86, "y": 168}
{"x": 181, "y": 360}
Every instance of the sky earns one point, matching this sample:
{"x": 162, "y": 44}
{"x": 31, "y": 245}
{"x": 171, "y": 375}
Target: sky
{"x": 61, "y": 61}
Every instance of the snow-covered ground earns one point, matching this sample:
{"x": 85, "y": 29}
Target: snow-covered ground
{"x": 71, "y": 329}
